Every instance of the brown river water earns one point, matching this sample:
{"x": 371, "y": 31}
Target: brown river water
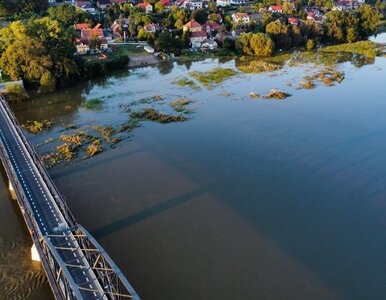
{"x": 248, "y": 199}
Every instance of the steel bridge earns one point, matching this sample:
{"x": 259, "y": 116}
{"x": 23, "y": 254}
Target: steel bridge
{"x": 76, "y": 265}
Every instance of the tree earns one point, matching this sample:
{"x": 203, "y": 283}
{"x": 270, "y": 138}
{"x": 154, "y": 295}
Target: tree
{"x": 64, "y": 14}
{"x": 164, "y": 42}
{"x": 26, "y": 59}
{"x": 280, "y": 34}
{"x": 200, "y": 15}
{"x": 94, "y": 42}
{"x": 159, "y": 7}
{"x": 259, "y": 44}
{"x": 369, "y": 20}
{"x": 310, "y": 45}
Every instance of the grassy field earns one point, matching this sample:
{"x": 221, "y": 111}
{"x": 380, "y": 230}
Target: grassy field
{"x": 118, "y": 50}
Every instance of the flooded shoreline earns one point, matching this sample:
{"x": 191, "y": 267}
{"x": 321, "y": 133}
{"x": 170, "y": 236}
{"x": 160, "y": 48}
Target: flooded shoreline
{"x": 248, "y": 198}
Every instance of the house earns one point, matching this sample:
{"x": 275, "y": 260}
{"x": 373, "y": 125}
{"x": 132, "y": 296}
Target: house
{"x": 275, "y": 9}
{"x": 262, "y": 10}
{"x": 118, "y": 1}
{"x": 238, "y": 2}
{"x": 151, "y": 28}
{"x": 241, "y": 18}
{"x": 80, "y": 4}
{"x": 192, "y": 26}
{"x": 84, "y": 41}
{"x": 208, "y": 44}
{"x": 103, "y": 4}
{"x": 210, "y": 27}
{"x": 78, "y": 27}
{"x": 193, "y": 4}
{"x": 146, "y": 6}
{"x": 257, "y": 17}
{"x": 223, "y": 3}
{"x": 293, "y": 21}
{"x": 197, "y": 38}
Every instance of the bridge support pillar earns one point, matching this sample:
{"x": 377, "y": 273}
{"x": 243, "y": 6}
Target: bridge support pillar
{"x": 34, "y": 253}
{"x": 12, "y": 191}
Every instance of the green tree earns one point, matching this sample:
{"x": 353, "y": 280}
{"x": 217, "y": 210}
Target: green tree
{"x": 200, "y": 15}
{"x": 280, "y": 34}
{"x": 94, "y": 42}
{"x": 159, "y": 7}
{"x": 64, "y": 13}
{"x": 369, "y": 20}
{"x": 310, "y": 45}
{"x": 259, "y": 44}
{"x": 26, "y": 59}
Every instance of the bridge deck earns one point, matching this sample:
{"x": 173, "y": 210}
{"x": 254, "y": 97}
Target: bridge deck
{"x": 45, "y": 210}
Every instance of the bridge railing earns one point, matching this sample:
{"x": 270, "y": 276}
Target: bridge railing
{"x": 109, "y": 276}
{"x": 28, "y": 215}
{"x": 59, "y": 198}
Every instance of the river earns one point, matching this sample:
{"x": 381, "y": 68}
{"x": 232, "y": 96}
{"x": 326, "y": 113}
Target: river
{"x": 248, "y": 199}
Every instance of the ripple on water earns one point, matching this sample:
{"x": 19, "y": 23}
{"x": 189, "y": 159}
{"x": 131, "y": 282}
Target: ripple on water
{"x": 19, "y": 276}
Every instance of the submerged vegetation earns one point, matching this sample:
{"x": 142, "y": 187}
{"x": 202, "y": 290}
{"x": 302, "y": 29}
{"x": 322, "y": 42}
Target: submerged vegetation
{"x": 366, "y": 48}
{"x": 327, "y": 76}
{"x": 93, "y": 104}
{"x": 151, "y": 114}
{"x": 181, "y": 105}
{"x": 272, "y": 94}
{"x": 37, "y": 126}
{"x": 257, "y": 66}
{"x": 187, "y": 82}
{"x": 211, "y": 78}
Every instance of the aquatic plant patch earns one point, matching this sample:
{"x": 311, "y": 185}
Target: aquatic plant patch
{"x": 211, "y": 78}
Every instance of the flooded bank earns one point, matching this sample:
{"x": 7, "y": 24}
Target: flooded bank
{"x": 247, "y": 198}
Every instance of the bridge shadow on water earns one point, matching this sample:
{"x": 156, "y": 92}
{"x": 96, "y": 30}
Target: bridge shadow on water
{"x": 149, "y": 212}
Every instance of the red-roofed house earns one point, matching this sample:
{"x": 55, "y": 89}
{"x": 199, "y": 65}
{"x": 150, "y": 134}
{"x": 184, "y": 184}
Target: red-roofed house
{"x": 293, "y": 21}
{"x": 80, "y": 26}
{"x": 146, "y": 6}
{"x": 276, "y": 9}
{"x": 209, "y": 27}
{"x": 192, "y": 26}
{"x": 83, "y": 45}
{"x": 197, "y": 38}
{"x": 241, "y": 18}
{"x": 80, "y": 4}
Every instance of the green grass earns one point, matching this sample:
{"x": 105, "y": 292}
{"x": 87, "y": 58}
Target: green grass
{"x": 118, "y": 50}
{"x": 93, "y": 104}
{"x": 211, "y": 78}
{"x": 366, "y": 48}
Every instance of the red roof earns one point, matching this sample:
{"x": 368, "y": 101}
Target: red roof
{"x": 192, "y": 24}
{"x": 82, "y": 3}
{"x": 212, "y": 26}
{"x": 293, "y": 20}
{"x": 165, "y": 2}
{"x": 86, "y": 33}
{"x": 276, "y": 7}
{"x": 143, "y": 4}
{"x": 198, "y": 34}
{"x": 81, "y": 26}
{"x": 241, "y": 15}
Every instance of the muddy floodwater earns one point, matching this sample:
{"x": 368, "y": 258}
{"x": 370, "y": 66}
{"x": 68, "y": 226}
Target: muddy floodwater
{"x": 248, "y": 198}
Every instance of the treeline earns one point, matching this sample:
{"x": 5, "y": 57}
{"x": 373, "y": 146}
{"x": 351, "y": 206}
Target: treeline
{"x": 22, "y": 8}
{"x": 41, "y": 52}
{"x": 338, "y": 27}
